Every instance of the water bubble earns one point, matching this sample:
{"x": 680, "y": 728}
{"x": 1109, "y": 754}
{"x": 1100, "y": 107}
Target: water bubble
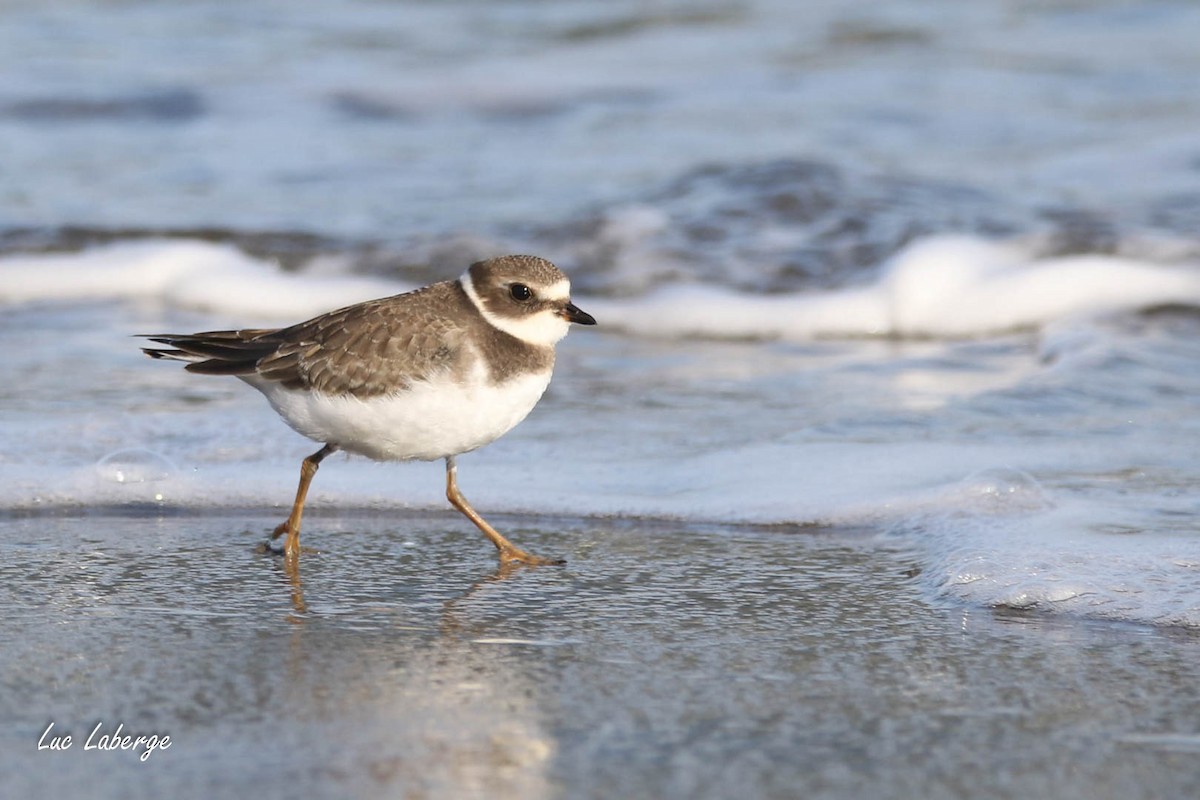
{"x": 134, "y": 465}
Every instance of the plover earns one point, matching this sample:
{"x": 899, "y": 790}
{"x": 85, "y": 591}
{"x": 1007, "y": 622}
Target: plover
{"x": 425, "y": 375}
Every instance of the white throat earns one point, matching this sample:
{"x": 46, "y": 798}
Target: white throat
{"x": 544, "y": 328}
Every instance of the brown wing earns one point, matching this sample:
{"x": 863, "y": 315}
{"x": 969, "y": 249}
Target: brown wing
{"x": 373, "y": 348}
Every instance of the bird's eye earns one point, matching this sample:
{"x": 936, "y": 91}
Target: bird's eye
{"x": 520, "y": 292}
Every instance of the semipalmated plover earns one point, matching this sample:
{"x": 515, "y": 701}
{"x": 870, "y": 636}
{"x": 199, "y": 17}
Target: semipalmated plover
{"x": 424, "y": 375}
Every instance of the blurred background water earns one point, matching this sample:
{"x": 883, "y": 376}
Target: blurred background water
{"x": 919, "y": 274}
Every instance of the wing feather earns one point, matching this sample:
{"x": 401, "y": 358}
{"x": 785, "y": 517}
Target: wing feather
{"x": 373, "y": 348}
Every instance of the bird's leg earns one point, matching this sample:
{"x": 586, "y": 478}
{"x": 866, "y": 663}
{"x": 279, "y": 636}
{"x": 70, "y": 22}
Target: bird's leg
{"x": 509, "y": 552}
{"x": 291, "y": 545}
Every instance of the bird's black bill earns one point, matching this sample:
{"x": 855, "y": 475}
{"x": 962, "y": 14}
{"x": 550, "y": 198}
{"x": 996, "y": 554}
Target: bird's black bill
{"x": 571, "y": 313}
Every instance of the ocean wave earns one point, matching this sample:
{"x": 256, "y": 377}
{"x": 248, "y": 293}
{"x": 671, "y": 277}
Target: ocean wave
{"x": 943, "y": 286}
{"x": 940, "y": 286}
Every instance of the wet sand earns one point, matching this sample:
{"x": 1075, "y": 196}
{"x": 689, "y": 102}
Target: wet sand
{"x": 662, "y": 661}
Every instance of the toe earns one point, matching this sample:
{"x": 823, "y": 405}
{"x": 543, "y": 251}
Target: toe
{"x": 515, "y": 556}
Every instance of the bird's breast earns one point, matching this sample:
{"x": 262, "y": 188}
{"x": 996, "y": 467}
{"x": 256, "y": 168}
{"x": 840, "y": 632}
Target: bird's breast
{"x": 429, "y": 420}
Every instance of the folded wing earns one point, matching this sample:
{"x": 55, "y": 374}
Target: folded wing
{"x": 365, "y": 350}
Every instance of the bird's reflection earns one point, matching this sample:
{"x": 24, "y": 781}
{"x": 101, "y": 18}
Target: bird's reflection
{"x": 291, "y": 569}
{"x": 452, "y": 613}
{"x": 443, "y": 716}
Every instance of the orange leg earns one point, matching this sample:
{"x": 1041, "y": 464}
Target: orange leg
{"x": 509, "y": 552}
{"x": 291, "y": 545}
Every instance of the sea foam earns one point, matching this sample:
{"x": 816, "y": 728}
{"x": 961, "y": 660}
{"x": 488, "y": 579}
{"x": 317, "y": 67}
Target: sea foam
{"x": 943, "y": 286}
{"x": 184, "y": 273}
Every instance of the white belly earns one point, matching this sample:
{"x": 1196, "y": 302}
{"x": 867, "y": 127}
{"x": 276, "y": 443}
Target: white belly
{"x": 427, "y": 422}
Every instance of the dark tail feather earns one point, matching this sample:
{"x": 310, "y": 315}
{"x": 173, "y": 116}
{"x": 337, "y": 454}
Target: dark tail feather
{"x": 214, "y": 367}
{"x": 215, "y": 352}
{"x": 174, "y": 355}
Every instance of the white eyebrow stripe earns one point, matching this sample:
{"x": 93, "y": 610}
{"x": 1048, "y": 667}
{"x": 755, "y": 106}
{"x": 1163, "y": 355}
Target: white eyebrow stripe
{"x": 560, "y": 290}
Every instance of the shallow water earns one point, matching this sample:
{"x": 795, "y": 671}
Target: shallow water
{"x": 661, "y": 661}
{"x": 1043, "y": 471}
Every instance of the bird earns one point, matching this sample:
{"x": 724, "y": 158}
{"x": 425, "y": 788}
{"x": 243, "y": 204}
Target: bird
{"x": 425, "y": 375}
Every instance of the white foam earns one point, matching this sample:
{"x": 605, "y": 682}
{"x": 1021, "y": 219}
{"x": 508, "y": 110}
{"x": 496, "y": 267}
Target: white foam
{"x": 183, "y": 273}
{"x": 944, "y": 286}
{"x": 1061, "y": 552}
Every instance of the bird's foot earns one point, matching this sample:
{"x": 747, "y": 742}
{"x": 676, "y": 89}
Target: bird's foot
{"x": 271, "y": 549}
{"x": 291, "y": 545}
{"x": 515, "y": 555}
